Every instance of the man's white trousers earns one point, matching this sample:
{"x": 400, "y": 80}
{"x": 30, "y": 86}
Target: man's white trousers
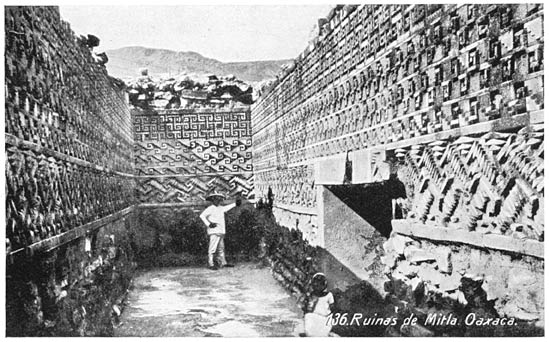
{"x": 217, "y": 245}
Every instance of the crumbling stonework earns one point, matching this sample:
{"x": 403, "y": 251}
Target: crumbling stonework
{"x": 512, "y": 283}
{"x": 437, "y": 278}
{"x": 189, "y": 91}
{"x": 445, "y": 99}
{"x": 73, "y": 290}
{"x": 69, "y": 180}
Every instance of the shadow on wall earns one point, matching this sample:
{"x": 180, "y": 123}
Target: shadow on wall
{"x": 167, "y": 231}
{"x": 177, "y": 236}
{"x": 373, "y": 202}
{"x": 243, "y": 232}
{"x": 294, "y": 261}
{"x": 355, "y": 298}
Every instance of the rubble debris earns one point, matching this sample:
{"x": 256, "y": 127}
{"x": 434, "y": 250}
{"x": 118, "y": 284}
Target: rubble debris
{"x": 188, "y": 91}
{"x": 455, "y": 280}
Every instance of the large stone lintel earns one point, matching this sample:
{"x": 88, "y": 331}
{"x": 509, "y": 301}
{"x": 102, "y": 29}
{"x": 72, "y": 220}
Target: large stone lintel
{"x": 490, "y": 241}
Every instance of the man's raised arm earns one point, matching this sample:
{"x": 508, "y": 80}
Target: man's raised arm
{"x": 237, "y": 203}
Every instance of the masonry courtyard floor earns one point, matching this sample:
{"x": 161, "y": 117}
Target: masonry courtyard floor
{"x": 244, "y": 301}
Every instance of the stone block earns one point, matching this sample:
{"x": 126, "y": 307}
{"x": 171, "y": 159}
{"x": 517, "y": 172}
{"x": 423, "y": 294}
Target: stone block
{"x": 429, "y": 274}
{"x": 389, "y": 260}
{"x": 388, "y": 246}
{"x": 494, "y": 287}
{"x": 416, "y": 283}
{"x": 443, "y": 256}
{"x": 457, "y": 296}
{"x": 399, "y": 243}
{"x": 450, "y": 283}
{"x": 417, "y": 255}
{"x": 460, "y": 260}
{"x": 407, "y": 270}
{"x": 523, "y": 293}
{"x": 521, "y": 278}
{"x": 513, "y": 310}
{"x": 476, "y": 261}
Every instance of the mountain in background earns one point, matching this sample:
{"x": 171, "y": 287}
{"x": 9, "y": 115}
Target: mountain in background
{"x": 126, "y": 62}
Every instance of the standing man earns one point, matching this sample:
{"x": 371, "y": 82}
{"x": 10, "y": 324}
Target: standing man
{"x": 214, "y": 218}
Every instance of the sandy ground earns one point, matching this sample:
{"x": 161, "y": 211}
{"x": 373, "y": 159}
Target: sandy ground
{"x": 244, "y": 301}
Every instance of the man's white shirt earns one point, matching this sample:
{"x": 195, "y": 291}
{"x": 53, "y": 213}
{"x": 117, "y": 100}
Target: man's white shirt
{"x": 214, "y": 214}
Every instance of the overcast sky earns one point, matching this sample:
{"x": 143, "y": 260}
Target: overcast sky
{"x": 227, "y": 33}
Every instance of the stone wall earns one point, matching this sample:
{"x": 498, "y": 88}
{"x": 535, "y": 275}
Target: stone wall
{"x": 76, "y": 289}
{"x": 445, "y": 100}
{"x": 184, "y": 154}
{"x": 69, "y": 179}
{"x": 181, "y": 156}
{"x": 474, "y": 280}
{"x": 353, "y": 241}
{"x": 294, "y": 261}
{"x": 482, "y": 200}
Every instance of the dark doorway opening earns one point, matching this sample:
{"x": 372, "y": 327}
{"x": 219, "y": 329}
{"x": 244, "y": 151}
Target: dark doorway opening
{"x": 372, "y": 202}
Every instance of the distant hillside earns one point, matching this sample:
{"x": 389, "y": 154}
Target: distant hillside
{"x": 126, "y": 62}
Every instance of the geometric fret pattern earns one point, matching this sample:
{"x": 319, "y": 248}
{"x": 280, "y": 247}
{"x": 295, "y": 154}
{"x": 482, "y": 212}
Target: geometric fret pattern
{"x": 292, "y": 186}
{"x": 47, "y": 196}
{"x": 490, "y": 184}
{"x": 382, "y": 74}
{"x": 180, "y": 189}
{"x": 181, "y": 156}
{"x": 417, "y": 77}
{"x": 185, "y": 156}
{"x": 68, "y": 130}
{"x": 192, "y": 124}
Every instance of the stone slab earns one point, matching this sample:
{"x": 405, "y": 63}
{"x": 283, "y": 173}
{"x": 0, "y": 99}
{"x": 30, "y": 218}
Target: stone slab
{"x": 491, "y": 241}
